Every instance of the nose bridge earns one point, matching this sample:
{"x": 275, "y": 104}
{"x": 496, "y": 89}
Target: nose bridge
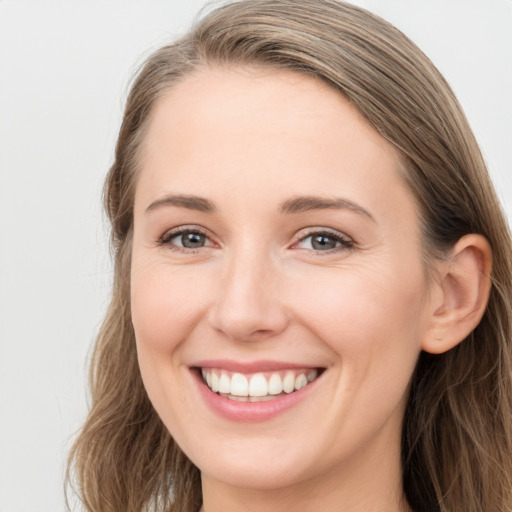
{"x": 249, "y": 304}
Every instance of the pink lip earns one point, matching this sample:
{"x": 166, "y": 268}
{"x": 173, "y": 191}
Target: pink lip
{"x": 251, "y": 367}
{"x": 248, "y": 412}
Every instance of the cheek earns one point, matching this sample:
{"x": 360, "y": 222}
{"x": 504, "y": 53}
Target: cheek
{"x": 370, "y": 318}
{"x": 165, "y": 304}
{"x": 372, "y": 324}
{"x": 164, "y": 311}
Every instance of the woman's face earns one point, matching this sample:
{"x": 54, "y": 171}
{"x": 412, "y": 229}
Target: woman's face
{"x": 275, "y": 247}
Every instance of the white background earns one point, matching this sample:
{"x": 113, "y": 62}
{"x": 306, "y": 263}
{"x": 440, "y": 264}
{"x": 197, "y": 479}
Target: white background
{"x": 64, "y": 70}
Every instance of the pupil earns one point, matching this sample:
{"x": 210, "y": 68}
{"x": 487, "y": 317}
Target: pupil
{"x": 192, "y": 240}
{"x": 323, "y": 242}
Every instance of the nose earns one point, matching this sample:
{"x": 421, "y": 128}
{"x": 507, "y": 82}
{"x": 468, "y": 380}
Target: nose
{"x": 249, "y": 303}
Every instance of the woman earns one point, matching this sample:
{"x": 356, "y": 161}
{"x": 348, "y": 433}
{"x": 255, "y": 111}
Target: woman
{"x": 313, "y": 285}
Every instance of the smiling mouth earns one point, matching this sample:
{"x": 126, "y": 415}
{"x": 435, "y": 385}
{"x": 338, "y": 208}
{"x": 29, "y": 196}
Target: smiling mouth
{"x": 258, "y": 387}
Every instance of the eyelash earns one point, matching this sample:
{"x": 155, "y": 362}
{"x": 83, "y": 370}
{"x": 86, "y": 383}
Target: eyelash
{"x": 166, "y": 238}
{"x": 345, "y": 243}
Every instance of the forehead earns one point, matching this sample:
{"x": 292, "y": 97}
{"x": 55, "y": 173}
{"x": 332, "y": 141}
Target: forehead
{"x": 263, "y": 131}
{"x": 249, "y": 104}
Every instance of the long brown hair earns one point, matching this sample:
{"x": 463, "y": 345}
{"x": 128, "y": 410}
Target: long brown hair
{"x": 457, "y": 431}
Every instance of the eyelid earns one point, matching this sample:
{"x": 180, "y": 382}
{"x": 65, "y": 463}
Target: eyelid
{"x": 165, "y": 239}
{"x": 346, "y": 241}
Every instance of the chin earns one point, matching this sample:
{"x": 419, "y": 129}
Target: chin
{"x": 247, "y": 474}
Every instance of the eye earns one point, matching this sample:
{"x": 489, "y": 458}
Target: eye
{"x": 324, "y": 241}
{"x": 186, "y": 239}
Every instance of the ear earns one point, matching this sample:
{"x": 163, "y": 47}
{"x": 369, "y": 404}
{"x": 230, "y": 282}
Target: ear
{"x": 461, "y": 294}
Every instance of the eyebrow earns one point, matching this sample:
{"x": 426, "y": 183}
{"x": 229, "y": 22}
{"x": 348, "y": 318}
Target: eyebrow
{"x": 308, "y": 203}
{"x": 183, "y": 201}
{"x": 294, "y": 205}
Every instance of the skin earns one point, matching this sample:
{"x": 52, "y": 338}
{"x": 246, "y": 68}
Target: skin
{"x": 248, "y": 140}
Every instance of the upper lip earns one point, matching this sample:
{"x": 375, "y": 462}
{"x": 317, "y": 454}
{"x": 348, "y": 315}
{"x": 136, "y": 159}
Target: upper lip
{"x": 251, "y": 367}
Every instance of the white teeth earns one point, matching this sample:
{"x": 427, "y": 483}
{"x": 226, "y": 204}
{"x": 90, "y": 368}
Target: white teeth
{"x": 260, "y": 398}
{"x": 257, "y": 387}
{"x": 215, "y": 382}
{"x": 275, "y": 384}
{"x": 239, "y": 385}
{"x": 207, "y": 376}
{"x": 289, "y": 382}
{"x": 312, "y": 375}
{"x": 224, "y": 384}
{"x": 301, "y": 381}
{"x": 239, "y": 398}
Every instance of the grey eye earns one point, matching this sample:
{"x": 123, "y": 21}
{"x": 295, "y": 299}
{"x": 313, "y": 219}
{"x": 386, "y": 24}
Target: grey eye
{"x": 191, "y": 240}
{"x": 322, "y": 242}
{"x": 186, "y": 239}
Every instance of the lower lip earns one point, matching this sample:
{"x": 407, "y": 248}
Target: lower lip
{"x": 234, "y": 410}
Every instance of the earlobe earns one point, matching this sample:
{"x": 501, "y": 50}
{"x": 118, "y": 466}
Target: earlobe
{"x": 463, "y": 292}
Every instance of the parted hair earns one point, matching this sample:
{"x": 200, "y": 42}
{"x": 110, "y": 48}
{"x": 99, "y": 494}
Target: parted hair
{"x": 457, "y": 428}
